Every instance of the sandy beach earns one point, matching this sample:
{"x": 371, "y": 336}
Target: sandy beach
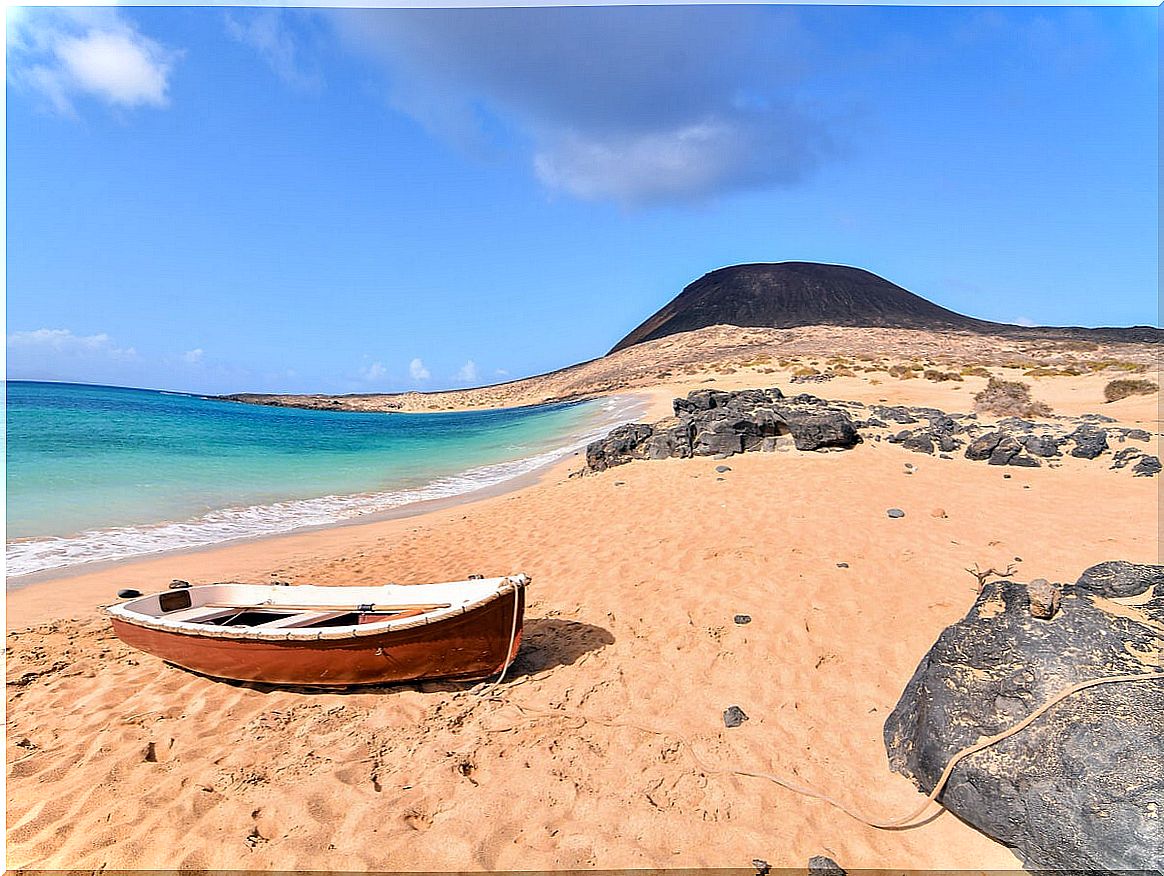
{"x": 118, "y": 760}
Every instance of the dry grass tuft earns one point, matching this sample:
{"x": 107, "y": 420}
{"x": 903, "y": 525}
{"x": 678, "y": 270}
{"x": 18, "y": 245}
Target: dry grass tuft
{"x": 939, "y": 376}
{"x": 975, "y": 371}
{"x": 1126, "y": 386}
{"x": 1009, "y": 398}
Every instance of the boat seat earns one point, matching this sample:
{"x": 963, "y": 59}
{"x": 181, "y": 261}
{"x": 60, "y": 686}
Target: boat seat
{"x": 196, "y": 614}
{"x": 300, "y": 620}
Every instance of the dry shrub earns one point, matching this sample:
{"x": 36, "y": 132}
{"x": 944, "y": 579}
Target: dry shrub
{"x": 842, "y": 371}
{"x": 975, "y": 371}
{"x": 804, "y": 371}
{"x": 1009, "y": 398}
{"x": 1116, "y": 365}
{"x": 939, "y": 376}
{"x": 1125, "y": 386}
{"x": 902, "y": 372}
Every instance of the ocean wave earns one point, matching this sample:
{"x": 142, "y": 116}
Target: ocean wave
{"x": 26, "y": 556}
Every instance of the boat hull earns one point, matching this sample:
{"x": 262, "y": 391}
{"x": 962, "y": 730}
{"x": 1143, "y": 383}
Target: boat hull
{"x": 471, "y": 645}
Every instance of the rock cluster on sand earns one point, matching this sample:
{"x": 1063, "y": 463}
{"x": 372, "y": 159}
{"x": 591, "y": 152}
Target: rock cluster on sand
{"x": 709, "y": 422}
{"x": 1011, "y": 441}
{"x": 713, "y": 423}
{"x": 1080, "y": 787}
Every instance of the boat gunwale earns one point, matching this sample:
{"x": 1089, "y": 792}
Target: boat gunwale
{"x": 504, "y": 586}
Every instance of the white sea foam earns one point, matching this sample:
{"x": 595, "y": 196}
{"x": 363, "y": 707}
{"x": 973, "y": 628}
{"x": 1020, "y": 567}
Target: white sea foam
{"x": 26, "y": 556}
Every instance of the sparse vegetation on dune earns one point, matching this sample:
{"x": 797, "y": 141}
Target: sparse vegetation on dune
{"x": 706, "y": 352}
{"x": 940, "y": 376}
{"x": 1009, "y": 398}
{"x": 1126, "y": 386}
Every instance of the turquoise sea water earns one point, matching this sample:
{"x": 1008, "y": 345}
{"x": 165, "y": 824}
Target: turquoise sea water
{"x": 100, "y": 473}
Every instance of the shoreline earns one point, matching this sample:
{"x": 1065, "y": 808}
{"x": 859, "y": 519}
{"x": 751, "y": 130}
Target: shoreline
{"x": 640, "y": 405}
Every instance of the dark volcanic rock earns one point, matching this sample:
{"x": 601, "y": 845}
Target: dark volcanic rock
{"x": 813, "y": 431}
{"x": 1147, "y": 467}
{"x": 921, "y": 443}
{"x": 822, "y": 865}
{"x": 702, "y": 400}
{"x": 1090, "y": 441}
{"x": 1041, "y": 445}
{"x": 1004, "y": 451}
{"x": 733, "y": 716}
{"x": 621, "y": 445}
{"x": 983, "y": 446}
{"x": 1119, "y": 579}
{"x": 1079, "y": 788}
{"x": 720, "y": 424}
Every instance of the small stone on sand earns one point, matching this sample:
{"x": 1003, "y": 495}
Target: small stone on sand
{"x": 819, "y": 865}
{"x": 940, "y": 513}
{"x": 895, "y": 512}
{"x": 734, "y": 716}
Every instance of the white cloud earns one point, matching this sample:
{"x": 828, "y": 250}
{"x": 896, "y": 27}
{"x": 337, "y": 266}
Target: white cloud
{"x": 1024, "y": 321}
{"x": 59, "y": 354}
{"x": 687, "y": 161}
{"x": 193, "y": 357}
{"x": 373, "y": 372}
{"x": 467, "y": 372}
{"x": 417, "y": 370}
{"x": 67, "y": 53}
{"x": 269, "y": 33}
{"x": 63, "y": 341}
{"x": 501, "y": 372}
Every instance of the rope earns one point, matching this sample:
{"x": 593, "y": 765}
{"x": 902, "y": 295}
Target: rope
{"x": 509, "y": 655}
{"x": 905, "y": 822}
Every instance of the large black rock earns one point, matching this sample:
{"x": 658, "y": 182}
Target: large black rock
{"x": 714, "y": 423}
{"x": 1080, "y": 788}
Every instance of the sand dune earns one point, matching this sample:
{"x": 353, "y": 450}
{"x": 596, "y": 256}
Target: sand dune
{"x": 117, "y": 760}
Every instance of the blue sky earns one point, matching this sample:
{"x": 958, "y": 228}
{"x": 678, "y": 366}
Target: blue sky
{"x": 221, "y": 200}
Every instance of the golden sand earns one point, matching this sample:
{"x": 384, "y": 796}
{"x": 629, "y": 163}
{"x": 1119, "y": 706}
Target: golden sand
{"x": 117, "y": 760}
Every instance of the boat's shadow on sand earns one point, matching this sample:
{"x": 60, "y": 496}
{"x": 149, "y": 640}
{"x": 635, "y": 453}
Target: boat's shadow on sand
{"x": 547, "y": 643}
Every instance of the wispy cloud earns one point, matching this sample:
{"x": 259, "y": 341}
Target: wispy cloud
{"x": 373, "y": 372}
{"x": 467, "y": 373}
{"x": 193, "y": 357}
{"x": 270, "y": 34}
{"x": 63, "y": 54}
{"x": 635, "y": 105}
{"x": 417, "y": 371}
{"x": 63, "y": 341}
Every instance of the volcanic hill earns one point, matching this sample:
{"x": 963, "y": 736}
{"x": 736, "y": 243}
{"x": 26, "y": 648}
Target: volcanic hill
{"x": 791, "y": 294}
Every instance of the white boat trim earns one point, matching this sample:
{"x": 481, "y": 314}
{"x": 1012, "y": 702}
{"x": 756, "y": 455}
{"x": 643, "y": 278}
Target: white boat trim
{"x": 455, "y": 597}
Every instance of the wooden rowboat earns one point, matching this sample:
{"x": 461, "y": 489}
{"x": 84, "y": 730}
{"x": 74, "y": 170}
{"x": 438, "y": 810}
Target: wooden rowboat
{"x": 310, "y": 635}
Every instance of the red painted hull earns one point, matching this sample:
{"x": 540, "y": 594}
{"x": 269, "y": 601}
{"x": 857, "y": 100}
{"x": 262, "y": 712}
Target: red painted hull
{"x": 471, "y": 645}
